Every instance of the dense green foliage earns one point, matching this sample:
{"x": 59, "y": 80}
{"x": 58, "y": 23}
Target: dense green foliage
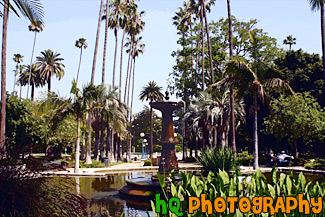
{"x": 29, "y": 128}
{"x": 221, "y": 185}
{"x": 297, "y": 118}
{"x": 215, "y": 159}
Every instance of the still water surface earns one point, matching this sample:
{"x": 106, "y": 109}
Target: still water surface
{"x": 103, "y": 194}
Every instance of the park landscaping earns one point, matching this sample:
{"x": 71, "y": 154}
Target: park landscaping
{"x": 242, "y": 102}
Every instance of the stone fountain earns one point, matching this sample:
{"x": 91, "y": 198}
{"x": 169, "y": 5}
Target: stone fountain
{"x": 144, "y": 189}
{"x": 168, "y": 160}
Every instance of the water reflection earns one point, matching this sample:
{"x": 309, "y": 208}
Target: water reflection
{"x": 103, "y": 194}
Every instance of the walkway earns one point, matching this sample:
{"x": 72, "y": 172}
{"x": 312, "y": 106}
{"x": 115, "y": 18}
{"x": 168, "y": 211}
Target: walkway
{"x": 138, "y": 165}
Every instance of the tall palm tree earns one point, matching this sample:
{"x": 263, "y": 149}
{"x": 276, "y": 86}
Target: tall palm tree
{"x": 88, "y": 152}
{"x": 50, "y": 64}
{"x": 96, "y": 48}
{"x": 77, "y": 107}
{"x": 232, "y": 105}
{"x": 204, "y": 14}
{"x": 106, "y": 18}
{"x": 132, "y": 26}
{"x": 36, "y": 26}
{"x": 151, "y": 92}
{"x": 82, "y": 44}
{"x": 115, "y": 24}
{"x": 315, "y": 6}
{"x": 136, "y": 25}
{"x": 18, "y": 58}
{"x": 33, "y": 10}
{"x": 245, "y": 78}
{"x": 290, "y": 40}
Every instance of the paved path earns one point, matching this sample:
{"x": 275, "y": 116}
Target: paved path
{"x": 124, "y": 167}
{"x": 138, "y": 165}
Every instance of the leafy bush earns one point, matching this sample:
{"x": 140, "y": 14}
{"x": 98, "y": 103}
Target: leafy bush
{"x": 148, "y": 162}
{"x": 221, "y": 185}
{"x": 245, "y": 159}
{"x": 26, "y": 193}
{"x": 215, "y": 159}
{"x": 94, "y": 164}
{"x": 317, "y": 164}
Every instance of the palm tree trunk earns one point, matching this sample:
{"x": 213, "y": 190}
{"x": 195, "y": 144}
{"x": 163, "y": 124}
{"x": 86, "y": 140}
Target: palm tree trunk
{"x": 101, "y": 144}
{"x": 76, "y": 164}
{"x": 88, "y": 153}
{"x": 83, "y": 147}
{"x": 113, "y": 146}
{"x": 232, "y": 104}
{"x": 16, "y": 72}
{"x": 79, "y": 66}
{"x": 232, "y": 119}
{"x": 49, "y": 84}
{"x": 108, "y": 150}
{"x": 105, "y": 43}
{"x": 323, "y": 37}
{"x": 96, "y": 44}
{"x": 130, "y": 75}
{"x": 32, "y": 94}
{"x": 121, "y": 66}
{"x": 223, "y": 139}
{"x": 231, "y": 46}
{"x": 3, "y": 81}
{"x": 21, "y": 88}
{"x": 31, "y": 63}
{"x": 115, "y": 55}
{"x": 129, "y": 148}
{"x": 208, "y": 39}
{"x": 96, "y": 156}
{"x": 127, "y": 76}
{"x": 255, "y": 139}
{"x": 202, "y": 32}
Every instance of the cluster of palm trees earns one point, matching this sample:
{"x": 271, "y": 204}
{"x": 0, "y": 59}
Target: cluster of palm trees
{"x": 39, "y": 73}
{"x": 216, "y": 112}
{"x": 117, "y": 15}
{"x": 102, "y": 103}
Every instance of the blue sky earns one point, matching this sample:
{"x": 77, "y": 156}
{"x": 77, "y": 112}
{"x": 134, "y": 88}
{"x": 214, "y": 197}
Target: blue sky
{"x": 68, "y": 20}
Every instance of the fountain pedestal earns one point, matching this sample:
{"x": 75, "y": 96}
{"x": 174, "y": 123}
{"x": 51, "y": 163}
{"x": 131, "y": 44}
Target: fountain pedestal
{"x": 168, "y": 160}
{"x": 145, "y": 189}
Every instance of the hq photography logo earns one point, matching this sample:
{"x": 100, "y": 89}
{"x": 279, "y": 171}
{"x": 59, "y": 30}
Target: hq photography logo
{"x": 256, "y": 205}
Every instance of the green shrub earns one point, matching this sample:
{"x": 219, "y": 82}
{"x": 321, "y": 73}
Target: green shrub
{"x": 317, "y": 164}
{"x": 94, "y": 164}
{"x": 244, "y": 159}
{"x": 215, "y": 159}
{"x": 221, "y": 185}
{"x": 148, "y": 162}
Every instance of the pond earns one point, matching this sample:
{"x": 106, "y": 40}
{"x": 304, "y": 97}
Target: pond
{"x": 104, "y": 199}
{"x": 103, "y": 194}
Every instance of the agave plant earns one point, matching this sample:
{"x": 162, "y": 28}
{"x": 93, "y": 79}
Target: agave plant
{"x": 215, "y": 159}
